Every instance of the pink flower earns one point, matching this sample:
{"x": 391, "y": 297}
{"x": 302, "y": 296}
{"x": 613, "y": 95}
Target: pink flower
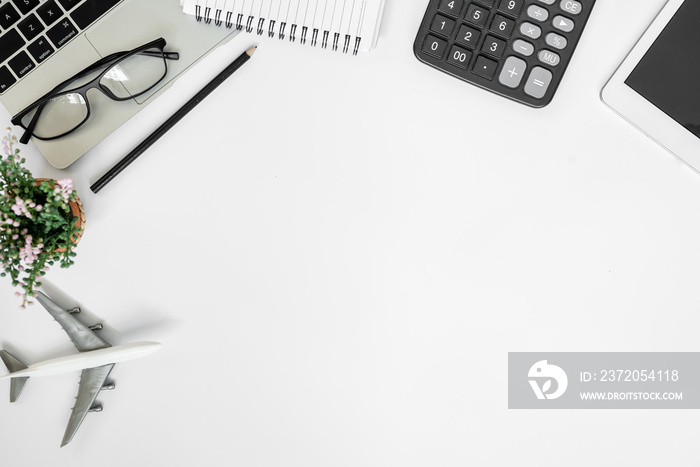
{"x": 28, "y": 253}
{"x": 64, "y": 187}
{"x": 20, "y": 207}
{"x": 66, "y": 183}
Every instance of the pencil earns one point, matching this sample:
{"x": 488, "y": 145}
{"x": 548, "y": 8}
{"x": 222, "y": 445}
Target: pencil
{"x": 169, "y": 123}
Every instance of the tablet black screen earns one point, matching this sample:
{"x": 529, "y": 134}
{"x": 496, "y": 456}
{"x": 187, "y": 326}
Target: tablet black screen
{"x": 668, "y": 75}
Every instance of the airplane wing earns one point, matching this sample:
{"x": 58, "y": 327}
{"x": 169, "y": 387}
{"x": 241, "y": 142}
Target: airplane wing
{"x": 82, "y": 336}
{"x": 91, "y": 381}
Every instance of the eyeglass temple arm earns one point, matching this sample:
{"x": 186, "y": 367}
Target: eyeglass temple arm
{"x": 105, "y": 60}
{"x": 24, "y": 139}
{"x": 166, "y": 55}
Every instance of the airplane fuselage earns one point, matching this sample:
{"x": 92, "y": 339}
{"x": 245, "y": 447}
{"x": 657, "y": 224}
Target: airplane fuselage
{"x": 89, "y": 359}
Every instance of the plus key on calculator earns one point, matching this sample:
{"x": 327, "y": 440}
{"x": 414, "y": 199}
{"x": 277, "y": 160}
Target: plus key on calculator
{"x": 516, "y": 48}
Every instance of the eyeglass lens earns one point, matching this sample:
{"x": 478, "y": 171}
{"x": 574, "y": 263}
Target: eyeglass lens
{"x": 135, "y": 74}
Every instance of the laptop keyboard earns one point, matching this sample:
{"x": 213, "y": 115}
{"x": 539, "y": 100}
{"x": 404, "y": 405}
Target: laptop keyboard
{"x": 32, "y": 30}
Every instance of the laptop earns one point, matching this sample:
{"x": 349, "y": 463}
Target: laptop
{"x": 44, "y": 42}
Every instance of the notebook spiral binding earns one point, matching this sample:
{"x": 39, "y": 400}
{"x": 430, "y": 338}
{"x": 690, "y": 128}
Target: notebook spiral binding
{"x": 241, "y": 23}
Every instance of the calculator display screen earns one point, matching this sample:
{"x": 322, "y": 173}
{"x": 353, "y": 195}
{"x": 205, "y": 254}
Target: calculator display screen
{"x": 668, "y": 75}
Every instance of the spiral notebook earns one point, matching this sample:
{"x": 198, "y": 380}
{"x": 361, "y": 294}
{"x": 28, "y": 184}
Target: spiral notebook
{"x": 339, "y": 25}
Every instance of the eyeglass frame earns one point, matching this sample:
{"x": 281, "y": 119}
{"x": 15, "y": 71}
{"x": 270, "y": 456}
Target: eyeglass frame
{"x": 107, "y": 63}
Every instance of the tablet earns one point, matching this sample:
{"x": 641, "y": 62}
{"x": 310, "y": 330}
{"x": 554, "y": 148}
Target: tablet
{"x": 657, "y": 87}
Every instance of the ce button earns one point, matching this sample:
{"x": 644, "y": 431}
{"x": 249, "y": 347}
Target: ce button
{"x": 572, "y": 6}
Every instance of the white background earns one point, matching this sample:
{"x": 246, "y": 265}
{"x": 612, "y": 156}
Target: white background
{"x": 338, "y": 253}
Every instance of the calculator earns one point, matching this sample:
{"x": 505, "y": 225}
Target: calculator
{"x": 516, "y": 48}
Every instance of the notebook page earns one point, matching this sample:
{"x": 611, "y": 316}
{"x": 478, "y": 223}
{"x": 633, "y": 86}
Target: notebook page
{"x": 308, "y": 15}
{"x": 372, "y": 18}
{"x": 273, "y": 12}
{"x": 354, "y": 28}
{"x": 317, "y": 23}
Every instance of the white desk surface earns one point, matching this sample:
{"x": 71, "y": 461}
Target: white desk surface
{"x": 338, "y": 253}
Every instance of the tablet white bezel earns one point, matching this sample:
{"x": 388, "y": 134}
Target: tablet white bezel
{"x": 640, "y": 112}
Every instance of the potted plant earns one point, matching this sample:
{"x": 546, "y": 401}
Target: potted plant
{"x": 41, "y": 221}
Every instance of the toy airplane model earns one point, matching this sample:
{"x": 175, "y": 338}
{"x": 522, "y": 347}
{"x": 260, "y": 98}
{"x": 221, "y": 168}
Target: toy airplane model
{"x": 97, "y": 358}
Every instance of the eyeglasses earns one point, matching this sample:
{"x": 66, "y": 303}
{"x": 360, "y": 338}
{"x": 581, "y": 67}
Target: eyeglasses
{"x": 125, "y": 75}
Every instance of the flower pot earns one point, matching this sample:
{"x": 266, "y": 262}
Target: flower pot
{"x": 76, "y": 209}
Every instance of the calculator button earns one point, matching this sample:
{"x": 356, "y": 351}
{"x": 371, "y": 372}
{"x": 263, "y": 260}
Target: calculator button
{"x": 451, "y": 7}
{"x": 556, "y": 41}
{"x": 459, "y": 57}
{"x": 548, "y": 57}
{"x": 537, "y": 13}
{"x": 547, "y": 2}
{"x": 485, "y": 67}
{"x": 563, "y": 24}
{"x": 502, "y": 26}
{"x": 523, "y": 47}
{"x": 513, "y": 72}
{"x": 486, "y": 3}
{"x": 511, "y": 7}
{"x": 538, "y": 82}
{"x": 434, "y": 46}
{"x": 442, "y": 25}
{"x": 468, "y": 36}
{"x": 530, "y": 30}
{"x": 477, "y": 15}
{"x": 494, "y": 46}
{"x": 570, "y": 6}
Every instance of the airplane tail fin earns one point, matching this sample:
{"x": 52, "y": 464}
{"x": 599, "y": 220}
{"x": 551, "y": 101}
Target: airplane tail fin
{"x": 13, "y": 364}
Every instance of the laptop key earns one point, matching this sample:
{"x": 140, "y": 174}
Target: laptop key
{"x": 89, "y": 11}
{"x": 62, "y": 32}
{"x": 10, "y": 42}
{"x": 40, "y": 49}
{"x": 21, "y": 64}
{"x": 68, "y": 4}
{"x": 25, "y": 6}
{"x": 8, "y": 15}
{"x": 6, "y": 79}
{"x": 49, "y": 12}
{"x": 30, "y": 27}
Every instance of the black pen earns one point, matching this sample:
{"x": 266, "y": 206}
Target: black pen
{"x": 169, "y": 123}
